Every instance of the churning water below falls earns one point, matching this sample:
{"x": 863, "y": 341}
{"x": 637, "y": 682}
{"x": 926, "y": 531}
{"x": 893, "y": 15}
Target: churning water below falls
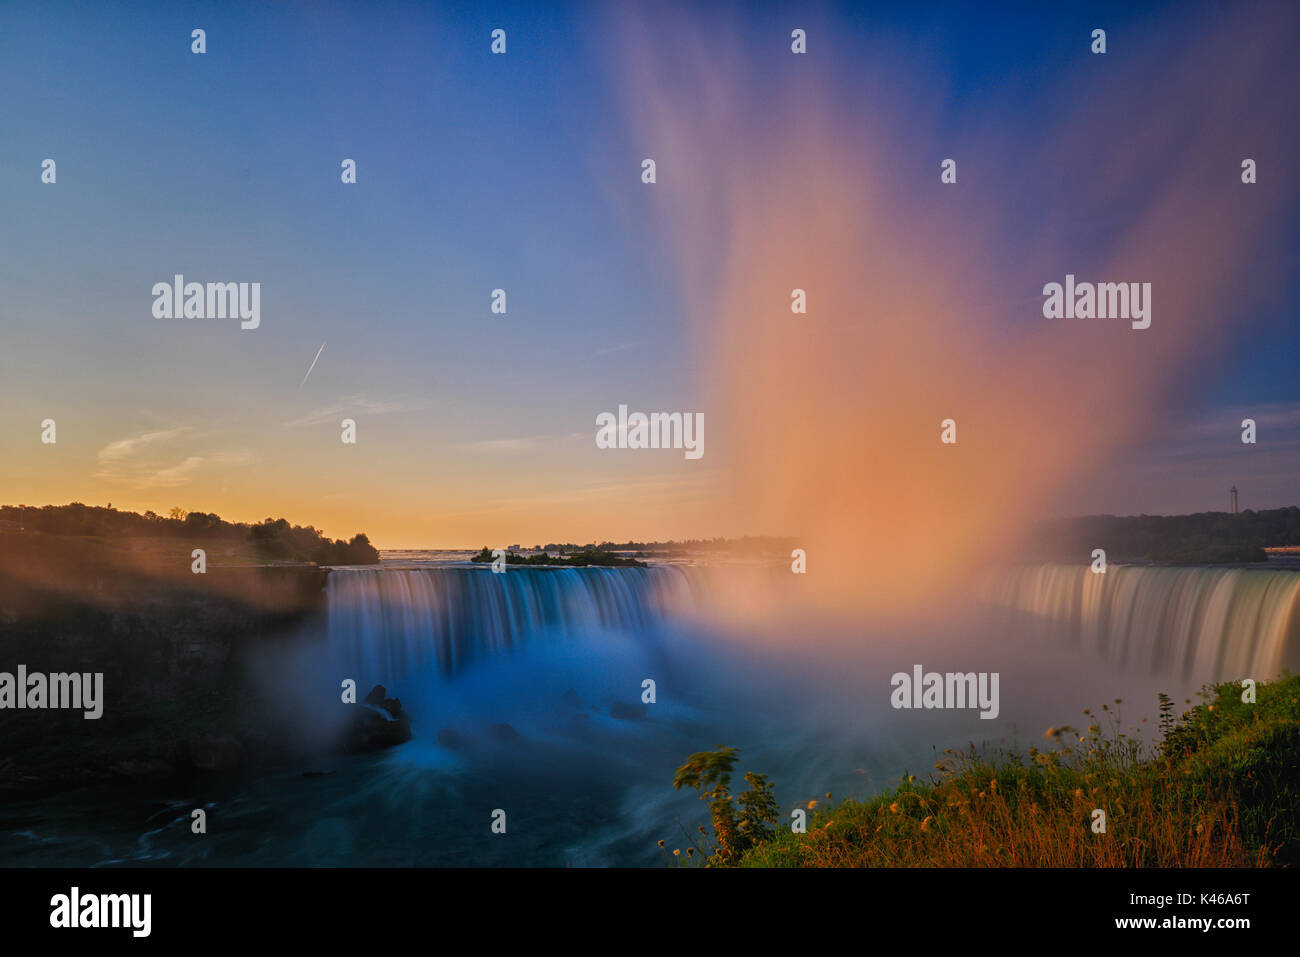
{"x": 525, "y": 693}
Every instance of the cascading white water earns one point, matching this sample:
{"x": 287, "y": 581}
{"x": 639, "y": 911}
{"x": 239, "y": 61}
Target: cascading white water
{"x": 387, "y": 623}
{"x": 1205, "y": 623}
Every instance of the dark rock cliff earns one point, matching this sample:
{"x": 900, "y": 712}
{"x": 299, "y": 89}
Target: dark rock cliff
{"x": 168, "y": 643}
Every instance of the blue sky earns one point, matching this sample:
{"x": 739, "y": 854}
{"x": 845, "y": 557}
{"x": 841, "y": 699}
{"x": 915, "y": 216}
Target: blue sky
{"x": 474, "y": 172}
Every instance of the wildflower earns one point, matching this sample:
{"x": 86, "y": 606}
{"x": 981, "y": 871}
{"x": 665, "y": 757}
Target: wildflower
{"x": 661, "y": 843}
{"x": 812, "y": 804}
{"x": 677, "y": 852}
{"x": 894, "y": 808}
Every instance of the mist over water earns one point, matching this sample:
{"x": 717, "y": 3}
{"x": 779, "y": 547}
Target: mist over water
{"x": 524, "y": 691}
{"x": 924, "y": 300}
{"x": 560, "y": 656}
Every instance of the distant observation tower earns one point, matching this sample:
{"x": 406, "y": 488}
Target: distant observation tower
{"x": 1232, "y": 493}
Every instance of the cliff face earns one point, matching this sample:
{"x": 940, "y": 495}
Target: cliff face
{"x": 152, "y": 638}
{"x": 168, "y": 643}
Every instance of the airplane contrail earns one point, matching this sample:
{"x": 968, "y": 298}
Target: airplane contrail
{"x": 312, "y": 366}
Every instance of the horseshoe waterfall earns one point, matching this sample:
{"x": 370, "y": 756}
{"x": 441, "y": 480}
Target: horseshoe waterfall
{"x": 1203, "y": 622}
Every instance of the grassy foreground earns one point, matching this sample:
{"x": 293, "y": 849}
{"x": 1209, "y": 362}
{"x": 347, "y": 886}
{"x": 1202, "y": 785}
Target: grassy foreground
{"x": 1221, "y": 789}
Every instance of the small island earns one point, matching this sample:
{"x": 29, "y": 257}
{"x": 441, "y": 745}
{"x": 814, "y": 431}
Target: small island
{"x": 580, "y": 559}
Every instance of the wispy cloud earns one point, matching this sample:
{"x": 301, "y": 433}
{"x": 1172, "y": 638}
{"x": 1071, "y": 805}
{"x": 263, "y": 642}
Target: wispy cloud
{"x": 1191, "y": 469}
{"x": 171, "y": 477}
{"x": 353, "y": 406}
{"x": 618, "y": 348}
{"x": 145, "y": 462}
{"x": 1224, "y": 423}
{"x": 124, "y": 449}
{"x": 525, "y": 444}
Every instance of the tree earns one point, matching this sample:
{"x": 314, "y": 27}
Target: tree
{"x": 758, "y": 809}
{"x": 177, "y": 513}
{"x": 197, "y": 522}
{"x": 360, "y": 551}
{"x": 709, "y": 772}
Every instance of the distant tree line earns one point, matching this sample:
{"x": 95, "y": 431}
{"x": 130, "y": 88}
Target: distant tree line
{"x": 1202, "y": 537}
{"x": 273, "y": 538}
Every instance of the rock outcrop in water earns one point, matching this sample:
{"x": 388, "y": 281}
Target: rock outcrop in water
{"x": 378, "y": 722}
{"x": 626, "y": 712}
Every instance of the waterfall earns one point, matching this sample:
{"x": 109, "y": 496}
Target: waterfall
{"x": 390, "y": 623}
{"x": 1204, "y": 623}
